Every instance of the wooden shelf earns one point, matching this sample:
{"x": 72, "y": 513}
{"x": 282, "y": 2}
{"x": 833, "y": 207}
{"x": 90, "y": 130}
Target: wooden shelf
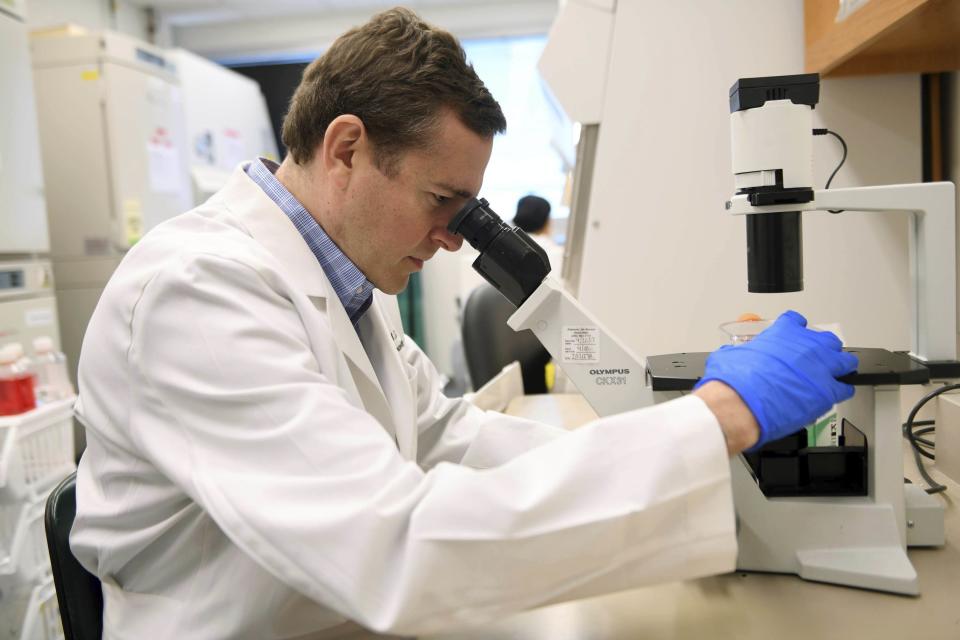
{"x": 882, "y": 36}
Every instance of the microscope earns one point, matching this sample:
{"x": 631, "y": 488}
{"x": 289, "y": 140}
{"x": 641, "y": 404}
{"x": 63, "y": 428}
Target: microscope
{"x": 836, "y": 514}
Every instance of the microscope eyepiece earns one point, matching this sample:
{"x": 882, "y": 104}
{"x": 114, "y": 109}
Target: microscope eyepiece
{"x": 477, "y": 223}
{"x": 509, "y": 259}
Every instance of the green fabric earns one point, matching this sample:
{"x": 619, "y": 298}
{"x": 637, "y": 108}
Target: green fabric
{"x": 411, "y": 308}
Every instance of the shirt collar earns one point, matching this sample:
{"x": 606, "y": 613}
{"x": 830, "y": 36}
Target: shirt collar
{"x": 349, "y": 283}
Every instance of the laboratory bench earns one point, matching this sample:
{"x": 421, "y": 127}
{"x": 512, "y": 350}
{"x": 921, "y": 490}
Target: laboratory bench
{"x": 745, "y": 606}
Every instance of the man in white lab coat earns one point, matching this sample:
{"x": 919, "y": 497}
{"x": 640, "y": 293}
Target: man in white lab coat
{"x": 268, "y": 456}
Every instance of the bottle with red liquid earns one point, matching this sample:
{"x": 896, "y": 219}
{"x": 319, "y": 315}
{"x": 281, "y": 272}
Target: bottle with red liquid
{"x": 16, "y": 382}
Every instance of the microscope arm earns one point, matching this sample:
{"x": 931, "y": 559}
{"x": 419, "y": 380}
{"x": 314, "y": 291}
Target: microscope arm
{"x": 932, "y": 229}
{"x": 607, "y": 373}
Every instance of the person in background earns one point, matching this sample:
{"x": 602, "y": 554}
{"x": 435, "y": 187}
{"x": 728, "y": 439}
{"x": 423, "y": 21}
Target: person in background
{"x": 269, "y": 457}
{"x": 533, "y": 216}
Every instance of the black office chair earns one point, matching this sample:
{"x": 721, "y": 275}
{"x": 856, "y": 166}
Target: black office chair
{"x": 78, "y": 591}
{"x": 489, "y": 344}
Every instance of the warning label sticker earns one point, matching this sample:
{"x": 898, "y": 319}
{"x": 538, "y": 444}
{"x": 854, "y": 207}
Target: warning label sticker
{"x": 581, "y": 345}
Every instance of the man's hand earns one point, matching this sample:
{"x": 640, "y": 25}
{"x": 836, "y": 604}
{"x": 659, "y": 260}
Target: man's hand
{"x": 786, "y": 376}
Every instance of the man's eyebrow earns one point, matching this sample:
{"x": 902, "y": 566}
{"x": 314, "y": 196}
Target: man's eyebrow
{"x": 463, "y": 193}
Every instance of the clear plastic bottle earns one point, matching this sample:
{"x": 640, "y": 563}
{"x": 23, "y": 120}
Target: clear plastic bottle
{"x": 16, "y": 382}
{"x": 50, "y": 365}
{"x": 26, "y": 364}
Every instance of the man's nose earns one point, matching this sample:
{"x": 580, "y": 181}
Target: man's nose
{"x": 445, "y": 239}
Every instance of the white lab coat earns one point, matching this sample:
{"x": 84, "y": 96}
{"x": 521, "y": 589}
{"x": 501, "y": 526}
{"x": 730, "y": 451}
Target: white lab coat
{"x": 256, "y": 470}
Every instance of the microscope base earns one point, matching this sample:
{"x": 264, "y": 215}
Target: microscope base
{"x": 848, "y": 541}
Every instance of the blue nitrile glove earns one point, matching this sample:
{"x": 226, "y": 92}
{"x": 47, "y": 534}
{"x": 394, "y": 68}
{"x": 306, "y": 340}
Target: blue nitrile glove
{"x": 787, "y": 375}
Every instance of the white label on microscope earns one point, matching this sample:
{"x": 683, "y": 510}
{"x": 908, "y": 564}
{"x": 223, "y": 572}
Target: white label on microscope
{"x": 581, "y": 345}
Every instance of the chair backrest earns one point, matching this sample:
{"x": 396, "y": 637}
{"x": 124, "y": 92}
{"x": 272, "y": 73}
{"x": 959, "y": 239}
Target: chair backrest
{"x": 78, "y": 591}
{"x": 489, "y": 344}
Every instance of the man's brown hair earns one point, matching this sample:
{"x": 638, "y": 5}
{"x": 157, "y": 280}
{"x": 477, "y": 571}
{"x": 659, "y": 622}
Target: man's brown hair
{"x": 396, "y": 73}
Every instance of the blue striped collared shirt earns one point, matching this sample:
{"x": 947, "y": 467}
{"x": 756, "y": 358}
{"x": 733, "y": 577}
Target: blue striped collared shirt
{"x": 351, "y": 286}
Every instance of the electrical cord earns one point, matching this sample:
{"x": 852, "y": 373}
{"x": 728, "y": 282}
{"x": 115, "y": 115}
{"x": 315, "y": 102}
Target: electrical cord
{"x": 919, "y": 432}
{"x": 843, "y": 158}
{"x": 926, "y": 443}
{"x": 918, "y": 443}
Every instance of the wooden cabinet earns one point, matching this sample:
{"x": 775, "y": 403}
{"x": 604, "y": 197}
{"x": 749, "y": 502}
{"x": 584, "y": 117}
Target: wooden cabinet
{"x": 882, "y": 36}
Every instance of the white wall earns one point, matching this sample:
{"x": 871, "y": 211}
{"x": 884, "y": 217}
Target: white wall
{"x": 663, "y": 264}
{"x": 93, "y": 14}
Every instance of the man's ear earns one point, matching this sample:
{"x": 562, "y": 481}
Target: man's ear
{"x": 343, "y": 138}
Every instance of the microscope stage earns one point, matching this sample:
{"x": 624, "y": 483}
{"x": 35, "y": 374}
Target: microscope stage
{"x": 680, "y": 371}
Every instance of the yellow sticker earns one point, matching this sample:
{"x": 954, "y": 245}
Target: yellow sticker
{"x": 90, "y": 74}
{"x": 132, "y": 220}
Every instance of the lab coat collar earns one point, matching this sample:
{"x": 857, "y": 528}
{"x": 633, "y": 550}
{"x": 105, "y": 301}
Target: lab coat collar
{"x": 271, "y": 227}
